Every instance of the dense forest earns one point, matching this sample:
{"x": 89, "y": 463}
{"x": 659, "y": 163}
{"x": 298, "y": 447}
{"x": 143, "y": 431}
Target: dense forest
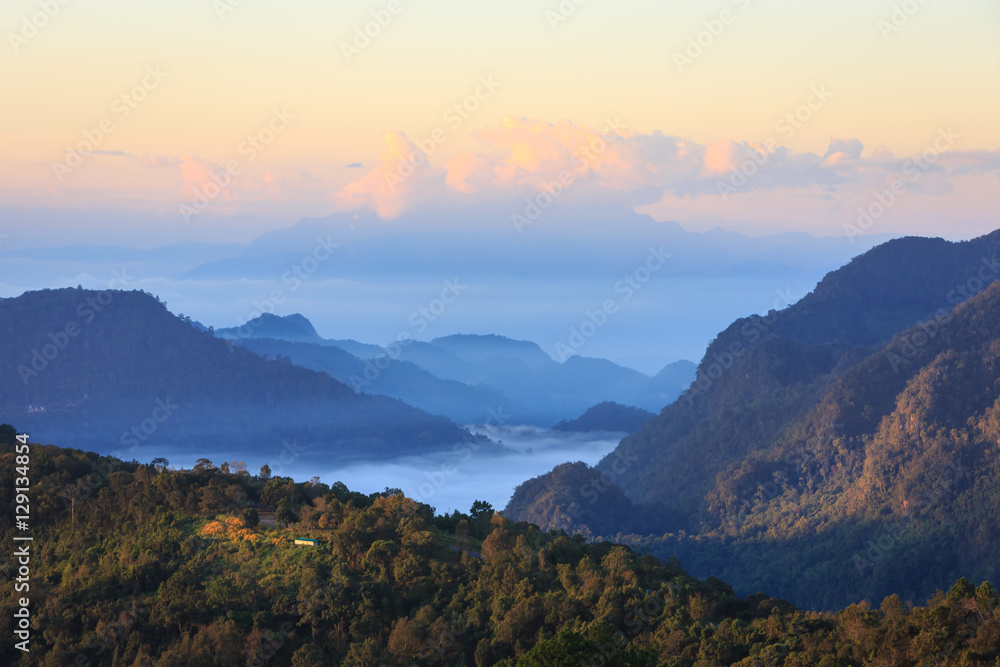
{"x": 847, "y": 447}
{"x": 140, "y": 564}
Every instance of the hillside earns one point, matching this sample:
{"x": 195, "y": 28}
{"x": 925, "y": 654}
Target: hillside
{"x": 607, "y": 416}
{"x": 171, "y": 568}
{"x": 116, "y": 370}
{"x": 822, "y": 429}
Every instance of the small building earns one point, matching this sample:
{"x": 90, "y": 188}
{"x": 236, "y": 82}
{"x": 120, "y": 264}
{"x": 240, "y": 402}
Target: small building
{"x": 306, "y": 541}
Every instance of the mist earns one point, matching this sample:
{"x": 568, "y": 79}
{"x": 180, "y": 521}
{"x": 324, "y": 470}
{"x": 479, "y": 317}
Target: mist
{"x": 448, "y": 480}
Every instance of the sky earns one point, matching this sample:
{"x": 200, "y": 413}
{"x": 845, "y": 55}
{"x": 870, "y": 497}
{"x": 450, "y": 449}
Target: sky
{"x": 217, "y": 120}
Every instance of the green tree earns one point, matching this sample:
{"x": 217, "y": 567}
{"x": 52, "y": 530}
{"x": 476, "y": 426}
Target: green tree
{"x": 250, "y": 517}
{"x": 8, "y": 434}
{"x": 308, "y": 655}
{"x": 265, "y": 471}
{"x": 481, "y": 510}
{"x": 284, "y": 514}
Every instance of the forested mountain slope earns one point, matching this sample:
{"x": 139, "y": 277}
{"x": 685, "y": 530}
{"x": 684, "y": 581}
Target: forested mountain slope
{"x": 170, "y": 568}
{"x": 864, "y": 415}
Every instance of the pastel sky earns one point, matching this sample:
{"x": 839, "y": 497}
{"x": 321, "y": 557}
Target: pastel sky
{"x": 835, "y": 99}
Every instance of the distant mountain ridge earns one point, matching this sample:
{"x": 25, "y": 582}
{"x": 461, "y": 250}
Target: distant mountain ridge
{"x": 467, "y": 378}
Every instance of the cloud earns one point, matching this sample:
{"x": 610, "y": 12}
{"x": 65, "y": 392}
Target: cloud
{"x": 611, "y": 163}
{"x": 404, "y": 179}
{"x": 523, "y": 156}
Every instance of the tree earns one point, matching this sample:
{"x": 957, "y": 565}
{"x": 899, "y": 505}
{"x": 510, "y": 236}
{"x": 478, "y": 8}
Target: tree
{"x": 480, "y": 516}
{"x": 307, "y": 656}
{"x": 250, "y": 517}
{"x": 159, "y": 463}
{"x": 284, "y": 515}
{"x": 481, "y": 510}
{"x": 265, "y": 471}
{"x": 8, "y": 434}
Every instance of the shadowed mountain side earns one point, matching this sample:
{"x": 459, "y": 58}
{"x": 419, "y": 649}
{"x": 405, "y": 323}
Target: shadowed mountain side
{"x": 579, "y": 499}
{"x": 116, "y": 370}
{"x": 607, "y": 416}
{"x": 873, "y": 464}
{"x": 760, "y": 373}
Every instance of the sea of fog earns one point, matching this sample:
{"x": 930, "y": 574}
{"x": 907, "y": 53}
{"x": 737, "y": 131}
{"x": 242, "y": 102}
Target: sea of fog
{"x": 447, "y": 480}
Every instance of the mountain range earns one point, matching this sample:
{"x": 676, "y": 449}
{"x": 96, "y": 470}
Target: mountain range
{"x": 359, "y": 277}
{"x": 846, "y": 447}
{"x": 468, "y": 378}
{"x": 115, "y": 370}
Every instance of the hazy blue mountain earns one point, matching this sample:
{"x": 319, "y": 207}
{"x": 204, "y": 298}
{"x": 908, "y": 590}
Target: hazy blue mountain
{"x": 294, "y": 328}
{"x": 672, "y": 380}
{"x": 476, "y": 349}
{"x": 355, "y": 259}
{"x": 115, "y": 370}
{"x": 607, "y": 416}
{"x": 468, "y": 378}
{"x": 572, "y": 242}
{"x": 397, "y": 378}
{"x": 107, "y": 264}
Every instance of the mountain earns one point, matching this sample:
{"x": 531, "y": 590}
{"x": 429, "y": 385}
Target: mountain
{"x": 140, "y": 564}
{"x": 467, "y": 378}
{"x": 853, "y": 435}
{"x": 294, "y": 328}
{"x": 116, "y": 369}
{"x": 672, "y": 380}
{"x": 477, "y": 349}
{"x": 398, "y": 379}
{"x": 607, "y": 416}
